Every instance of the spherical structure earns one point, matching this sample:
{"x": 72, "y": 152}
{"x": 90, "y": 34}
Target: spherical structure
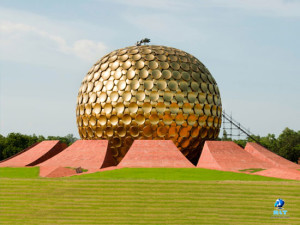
{"x": 149, "y": 92}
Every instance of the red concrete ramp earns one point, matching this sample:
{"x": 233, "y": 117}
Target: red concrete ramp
{"x": 226, "y": 155}
{"x": 154, "y": 154}
{"x": 280, "y": 173}
{"x": 88, "y": 154}
{"x": 62, "y": 172}
{"x": 265, "y": 155}
{"x": 34, "y": 154}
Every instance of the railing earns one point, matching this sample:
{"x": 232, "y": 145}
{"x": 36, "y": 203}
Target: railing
{"x": 233, "y": 123}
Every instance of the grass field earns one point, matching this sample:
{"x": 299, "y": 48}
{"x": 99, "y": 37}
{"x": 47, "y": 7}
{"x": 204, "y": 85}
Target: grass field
{"x": 145, "y": 196}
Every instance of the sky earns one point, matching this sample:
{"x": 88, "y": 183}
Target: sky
{"x": 251, "y": 47}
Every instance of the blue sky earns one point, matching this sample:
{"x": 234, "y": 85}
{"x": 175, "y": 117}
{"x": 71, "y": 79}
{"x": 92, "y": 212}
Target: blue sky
{"x": 251, "y": 47}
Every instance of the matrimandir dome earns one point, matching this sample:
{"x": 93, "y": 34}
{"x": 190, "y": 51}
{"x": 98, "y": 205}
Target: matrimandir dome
{"x": 149, "y": 92}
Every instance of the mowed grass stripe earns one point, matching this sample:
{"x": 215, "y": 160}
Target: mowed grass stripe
{"x": 70, "y": 221}
{"x": 175, "y": 190}
{"x": 167, "y": 219}
{"x": 146, "y": 214}
{"x": 147, "y": 195}
{"x": 103, "y": 205}
{"x": 243, "y": 189}
{"x": 150, "y": 197}
{"x": 106, "y": 184}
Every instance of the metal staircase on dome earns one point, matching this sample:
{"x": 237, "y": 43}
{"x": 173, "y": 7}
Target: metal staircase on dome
{"x": 235, "y": 128}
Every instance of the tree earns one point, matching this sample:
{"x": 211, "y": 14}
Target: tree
{"x": 68, "y": 139}
{"x": 241, "y": 143}
{"x": 270, "y": 142}
{"x": 255, "y": 138}
{"x": 71, "y": 139}
{"x": 288, "y": 144}
{"x": 225, "y": 137}
{"x": 2, "y": 145}
{"x": 13, "y": 143}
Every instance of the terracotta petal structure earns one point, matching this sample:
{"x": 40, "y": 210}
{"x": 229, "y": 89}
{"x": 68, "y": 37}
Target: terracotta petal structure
{"x": 88, "y": 154}
{"x": 283, "y": 173}
{"x": 226, "y": 155}
{"x": 154, "y": 154}
{"x": 265, "y": 155}
{"x": 34, "y": 154}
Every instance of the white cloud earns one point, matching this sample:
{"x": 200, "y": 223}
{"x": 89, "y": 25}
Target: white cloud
{"x": 170, "y": 5}
{"x": 285, "y": 8}
{"x": 18, "y": 36}
{"x": 277, "y": 8}
{"x": 88, "y": 49}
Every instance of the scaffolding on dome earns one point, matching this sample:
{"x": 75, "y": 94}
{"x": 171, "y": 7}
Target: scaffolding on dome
{"x": 232, "y": 128}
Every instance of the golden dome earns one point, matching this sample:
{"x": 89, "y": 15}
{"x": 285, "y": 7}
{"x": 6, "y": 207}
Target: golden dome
{"x": 149, "y": 92}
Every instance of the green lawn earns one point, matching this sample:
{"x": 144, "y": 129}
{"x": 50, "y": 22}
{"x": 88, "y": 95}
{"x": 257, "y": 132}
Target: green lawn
{"x": 144, "y": 174}
{"x": 22, "y": 172}
{"x": 145, "y": 196}
{"x": 171, "y": 174}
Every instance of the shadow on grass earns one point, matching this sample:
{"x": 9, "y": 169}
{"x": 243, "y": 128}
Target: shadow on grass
{"x": 252, "y": 170}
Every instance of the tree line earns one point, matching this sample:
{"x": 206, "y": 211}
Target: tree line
{"x": 16, "y": 142}
{"x": 286, "y": 145}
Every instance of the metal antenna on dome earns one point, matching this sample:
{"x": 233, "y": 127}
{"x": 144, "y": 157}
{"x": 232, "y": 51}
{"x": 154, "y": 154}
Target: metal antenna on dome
{"x": 143, "y": 41}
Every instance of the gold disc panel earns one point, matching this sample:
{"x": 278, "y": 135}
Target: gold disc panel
{"x": 149, "y": 92}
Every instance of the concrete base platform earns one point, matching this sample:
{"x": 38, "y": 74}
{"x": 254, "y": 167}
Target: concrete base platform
{"x": 228, "y": 156}
{"x": 88, "y": 154}
{"x": 68, "y": 172}
{"x": 265, "y": 155}
{"x": 280, "y": 173}
{"x": 34, "y": 154}
{"x": 61, "y": 172}
{"x": 154, "y": 154}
